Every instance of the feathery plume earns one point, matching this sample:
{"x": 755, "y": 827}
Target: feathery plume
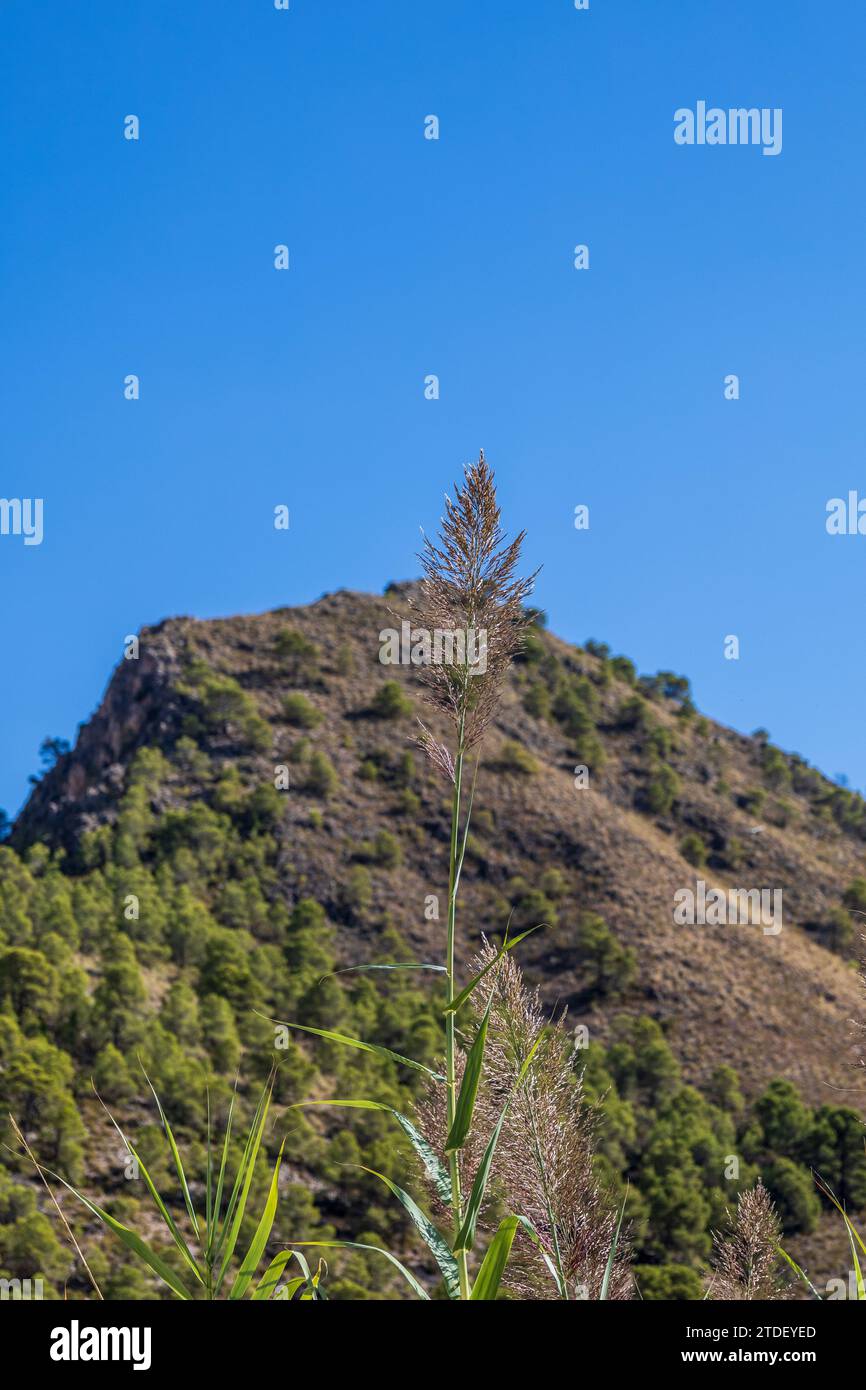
{"x": 544, "y": 1158}
{"x": 746, "y": 1260}
{"x": 469, "y": 590}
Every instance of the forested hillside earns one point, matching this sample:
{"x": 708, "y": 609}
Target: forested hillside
{"x": 247, "y": 814}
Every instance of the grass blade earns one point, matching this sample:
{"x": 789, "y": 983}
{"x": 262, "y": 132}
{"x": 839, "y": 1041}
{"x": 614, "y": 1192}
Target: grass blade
{"x": 239, "y": 1176}
{"x": 377, "y": 1250}
{"x": 361, "y": 1046}
{"x": 465, "y": 1107}
{"x": 397, "y": 965}
{"x": 425, "y": 1151}
{"x": 487, "y": 1280}
{"x": 250, "y": 1262}
{"x": 799, "y": 1272}
{"x": 605, "y": 1283}
{"x": 466, "y": 1235}
{"x": 131, "y": 1240}
{"x": 209, "y": 1193}
{"x": 531, "y": 1231}
{"x": 218, "y": 1199}
{"x": 433, "y": 1239}
{"x": 269, "y": 1281}
{"x": 175, "y": 1153}
{"x": 838, "y": 1205}
{"x": 861, "y": 1288}
{"x": 57, "y": 1207}
{"x": 167, "y": 1218}
{"x": 237, "y": 1205}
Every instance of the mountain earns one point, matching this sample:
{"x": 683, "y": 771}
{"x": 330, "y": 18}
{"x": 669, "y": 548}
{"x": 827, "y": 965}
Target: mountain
{"x": 602, "y": 796}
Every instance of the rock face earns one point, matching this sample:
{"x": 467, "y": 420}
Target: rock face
{"x": 140, "y": 709}
{"x": 736, "y": 814}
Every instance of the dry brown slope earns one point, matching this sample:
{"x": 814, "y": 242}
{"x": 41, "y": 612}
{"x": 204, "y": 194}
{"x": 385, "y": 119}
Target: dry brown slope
{"x": 769, "y": 1006}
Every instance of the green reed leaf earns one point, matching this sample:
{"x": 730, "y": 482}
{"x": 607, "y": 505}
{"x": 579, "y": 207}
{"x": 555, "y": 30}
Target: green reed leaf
{"x": 250, "y": 1262}
{"x": 433, "y": 1166}
{"x": 433, "y": 1239}
{"x": 605, "y": 1283}
{"x": 466, "y": 1235}
{"x": 175, "y": 1153}
{"x": 488, "y": 1278}
{"x": 376, "y": 1250}
{"x": 131, "y": 1240}
{"x": 459, "y": 1131}
{"x": 378, "y": 1051}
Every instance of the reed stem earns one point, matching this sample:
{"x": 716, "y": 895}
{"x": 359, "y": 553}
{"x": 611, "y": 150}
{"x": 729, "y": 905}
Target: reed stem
{"x": 450, "y": 1025}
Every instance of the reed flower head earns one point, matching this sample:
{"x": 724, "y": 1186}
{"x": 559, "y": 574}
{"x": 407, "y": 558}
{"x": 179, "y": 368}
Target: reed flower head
{"x": 746, "y": 1259}
{"x": 544, "y": 1166}
{"x": 547, "y": 1147}
{"x": 469, "y": 589}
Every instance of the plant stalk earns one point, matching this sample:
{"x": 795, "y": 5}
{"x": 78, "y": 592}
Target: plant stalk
{"x": 450, "y": 1030}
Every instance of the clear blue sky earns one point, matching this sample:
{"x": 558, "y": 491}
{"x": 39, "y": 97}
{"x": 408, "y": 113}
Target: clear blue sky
{"x": 411, "y": 257}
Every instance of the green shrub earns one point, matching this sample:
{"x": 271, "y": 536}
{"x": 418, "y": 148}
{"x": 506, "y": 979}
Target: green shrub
{"x": 513, "y": 757}
{"x": 321, "y": 778}
{"x": 793, "y": 1191}
{"x": 345, "y": 659}
{"x": 298, "y": 710}
{"x": 623, "y": 669}
{"x": 784, "y": 1118}
{"x": 608, "y": 967}
{"x": 536, "y": 701}
{"x": 753, "y": 801}
{"x": 775, "y": 769}
{"x": 779, "y": 813}
{"x": 576, "y": 705}
{"x": 383, "y": 849}
{"x": 669, "y": 1283}
{"x": 693, "y": 849}
{"x": 724, "y": 1091}
{"x": 854, "y": 897}
{"x": 390, "y": 702}
{"x": 299, "y": 655}
{"x": 659, "y": 741}
{"x": 840, "y": 933}
{"x": 357, "y": 892}
{"x": 408, "y": 802}
{"x": 661, "y": 790}
{"x": 533, "y": 649}
{"x": 221, "y": 706}
{"x": 735, "y": 852}
{"x": 633, "y": 713}
{"x": 553, "y": 883}
{"x": 531, "y": 906}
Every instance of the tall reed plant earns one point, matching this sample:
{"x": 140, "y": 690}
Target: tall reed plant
{"x": 471, "y": 592}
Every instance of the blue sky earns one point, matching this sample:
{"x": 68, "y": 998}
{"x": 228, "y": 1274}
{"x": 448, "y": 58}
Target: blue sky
{"x": 411, "y": 257}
